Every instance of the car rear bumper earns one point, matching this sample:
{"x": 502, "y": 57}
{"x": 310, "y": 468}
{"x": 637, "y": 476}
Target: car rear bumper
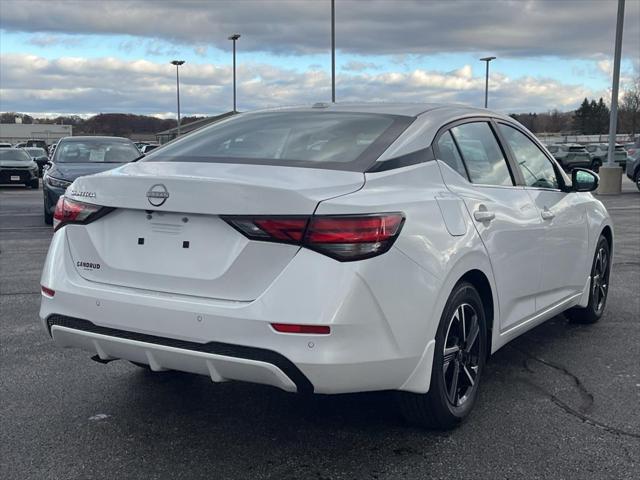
{"x": 376, "y": 339}
{"x": 217, "y": 360}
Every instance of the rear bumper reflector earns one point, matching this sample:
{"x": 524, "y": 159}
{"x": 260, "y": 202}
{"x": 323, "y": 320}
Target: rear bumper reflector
{"x": 306, "y": 329}
{"x": 47, "y": 291}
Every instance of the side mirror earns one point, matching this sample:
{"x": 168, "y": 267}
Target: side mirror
{"x": 583, "y": 180}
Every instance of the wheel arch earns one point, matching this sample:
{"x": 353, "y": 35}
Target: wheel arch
{"x": 607, "y": 232}
{"x": 475, "y": 268}
{"x": 479, "y": 280}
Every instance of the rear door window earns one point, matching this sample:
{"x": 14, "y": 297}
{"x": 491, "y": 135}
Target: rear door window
{"x": 482, "y": 154}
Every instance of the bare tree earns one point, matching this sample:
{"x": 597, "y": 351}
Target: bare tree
{"x": 630, "y": 108}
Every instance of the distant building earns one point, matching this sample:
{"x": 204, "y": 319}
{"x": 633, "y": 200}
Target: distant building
{"x": 20, "y": 132}
{"x": 168, "y": 135}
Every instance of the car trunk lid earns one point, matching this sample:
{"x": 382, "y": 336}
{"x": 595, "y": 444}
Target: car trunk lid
{"x": 167, "y": 233}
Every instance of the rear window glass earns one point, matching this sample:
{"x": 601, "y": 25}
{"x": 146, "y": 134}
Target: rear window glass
{"x": 576, "y": 149}
{"x": 14, "y": 155}
{"x": 96, "y": 151}
{"x": 344, "y": 141}
{"x": 36, "y": 152}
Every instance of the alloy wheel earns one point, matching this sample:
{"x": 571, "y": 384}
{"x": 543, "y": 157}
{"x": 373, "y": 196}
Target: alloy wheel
{"x": 461, "y": 354}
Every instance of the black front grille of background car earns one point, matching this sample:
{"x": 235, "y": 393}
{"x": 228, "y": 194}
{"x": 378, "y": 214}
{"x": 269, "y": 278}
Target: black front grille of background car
{"x": 226, "y": 349}
{"x": 7, "y": 173}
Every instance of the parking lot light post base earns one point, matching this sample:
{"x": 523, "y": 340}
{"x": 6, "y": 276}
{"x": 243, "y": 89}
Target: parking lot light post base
{"x": 610, "y": 180}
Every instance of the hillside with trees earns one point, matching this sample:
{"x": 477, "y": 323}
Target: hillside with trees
{"x": 592, "y": 117}
{"x": 117, "y": 124}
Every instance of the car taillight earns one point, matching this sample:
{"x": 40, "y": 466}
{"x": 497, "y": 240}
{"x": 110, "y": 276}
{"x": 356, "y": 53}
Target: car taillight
{"x": 343, "y": 237}
{"x": 71, "y": 211}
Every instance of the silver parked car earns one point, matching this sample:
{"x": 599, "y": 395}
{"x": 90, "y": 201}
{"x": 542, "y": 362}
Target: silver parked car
{"x": 599, "y": 152}
{"x": 633, "y": 167}
{"x": 571, "y": 155}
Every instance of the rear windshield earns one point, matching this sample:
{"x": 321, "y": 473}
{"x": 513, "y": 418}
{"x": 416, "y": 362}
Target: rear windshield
{"x": 96, "y": 151}
{"x": 14, "y": 155}
{"x": 576, "y": 149}
{"x": 35, "y": 152}
{"x": 343, "y": 141}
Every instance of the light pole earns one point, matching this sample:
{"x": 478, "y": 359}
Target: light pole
{"x": 333, "y": 51}
{"x": 611, "y": 174}
{"x": 177, "y": 63}
{"x": 486, "y": 80}
{"x": 234, "y": 37}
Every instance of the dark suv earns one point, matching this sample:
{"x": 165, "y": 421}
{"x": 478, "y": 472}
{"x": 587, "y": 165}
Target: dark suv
{"x": 78, "y": 156}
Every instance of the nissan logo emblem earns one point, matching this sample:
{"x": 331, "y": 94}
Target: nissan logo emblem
{"x": 157, "y": 195}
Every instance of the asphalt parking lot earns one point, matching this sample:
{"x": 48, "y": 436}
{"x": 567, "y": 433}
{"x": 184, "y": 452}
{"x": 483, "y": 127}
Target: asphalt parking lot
{"x": 562, "y": 401}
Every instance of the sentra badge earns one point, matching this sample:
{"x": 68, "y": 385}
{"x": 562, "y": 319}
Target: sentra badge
{"x": 77, "y": 193}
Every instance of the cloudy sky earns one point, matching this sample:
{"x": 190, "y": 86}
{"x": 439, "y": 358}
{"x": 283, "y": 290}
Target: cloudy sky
{"x": 90, "y": 56}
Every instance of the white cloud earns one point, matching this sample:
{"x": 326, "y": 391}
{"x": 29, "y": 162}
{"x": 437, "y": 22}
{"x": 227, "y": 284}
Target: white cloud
{"x": 77, "y": 85}
{"x": 605, "y": 66}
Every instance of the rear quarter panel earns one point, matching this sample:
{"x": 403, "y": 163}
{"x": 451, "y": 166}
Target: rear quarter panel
{"x": 413, "y": 298}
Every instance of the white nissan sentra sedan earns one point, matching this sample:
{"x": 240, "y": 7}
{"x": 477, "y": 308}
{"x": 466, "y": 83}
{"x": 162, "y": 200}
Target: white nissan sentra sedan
{"x": 330, "y": 249}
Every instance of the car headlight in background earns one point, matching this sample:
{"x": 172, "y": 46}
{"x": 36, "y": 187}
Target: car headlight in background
{"x": 56, "y": 182}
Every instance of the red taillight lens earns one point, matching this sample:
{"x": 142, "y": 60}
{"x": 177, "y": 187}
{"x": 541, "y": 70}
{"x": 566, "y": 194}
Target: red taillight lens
{"x": 353, "y": 237}
{"x": 343, "y": 237}
{"x": 306, "y": 329}
{"x": 72, "y": 211}
{"x": 348, "y": 229}
{"x": 288, "y": 230}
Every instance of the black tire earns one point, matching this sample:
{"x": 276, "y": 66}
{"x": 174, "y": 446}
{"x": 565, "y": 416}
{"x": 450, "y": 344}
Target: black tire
{"x": 637, "y": 180}
{"x": 48, "y": 217}
{"x": 595, "y": 165}
{"x": 446, "y": 405}
{"x": 598, "y": 288}
{"x": 35, "y": 184}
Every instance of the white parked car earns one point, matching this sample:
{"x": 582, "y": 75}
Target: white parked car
{"x": 330, "y": 249}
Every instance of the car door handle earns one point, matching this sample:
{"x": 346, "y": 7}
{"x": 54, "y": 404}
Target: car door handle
{"x": 547, "y": 214}
{"x": 483, "y": 215}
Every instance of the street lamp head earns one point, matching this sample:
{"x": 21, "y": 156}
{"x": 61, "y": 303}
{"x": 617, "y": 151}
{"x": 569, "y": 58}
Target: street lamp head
{"x": 235, "y": 36}
{"x": 487, "y": 59}
{"x": 177, "y": 62}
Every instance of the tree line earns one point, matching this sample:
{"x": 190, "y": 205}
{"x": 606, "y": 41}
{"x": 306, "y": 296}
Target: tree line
{"x": 116, "y": 124}
{"x": 591, "y": 118}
